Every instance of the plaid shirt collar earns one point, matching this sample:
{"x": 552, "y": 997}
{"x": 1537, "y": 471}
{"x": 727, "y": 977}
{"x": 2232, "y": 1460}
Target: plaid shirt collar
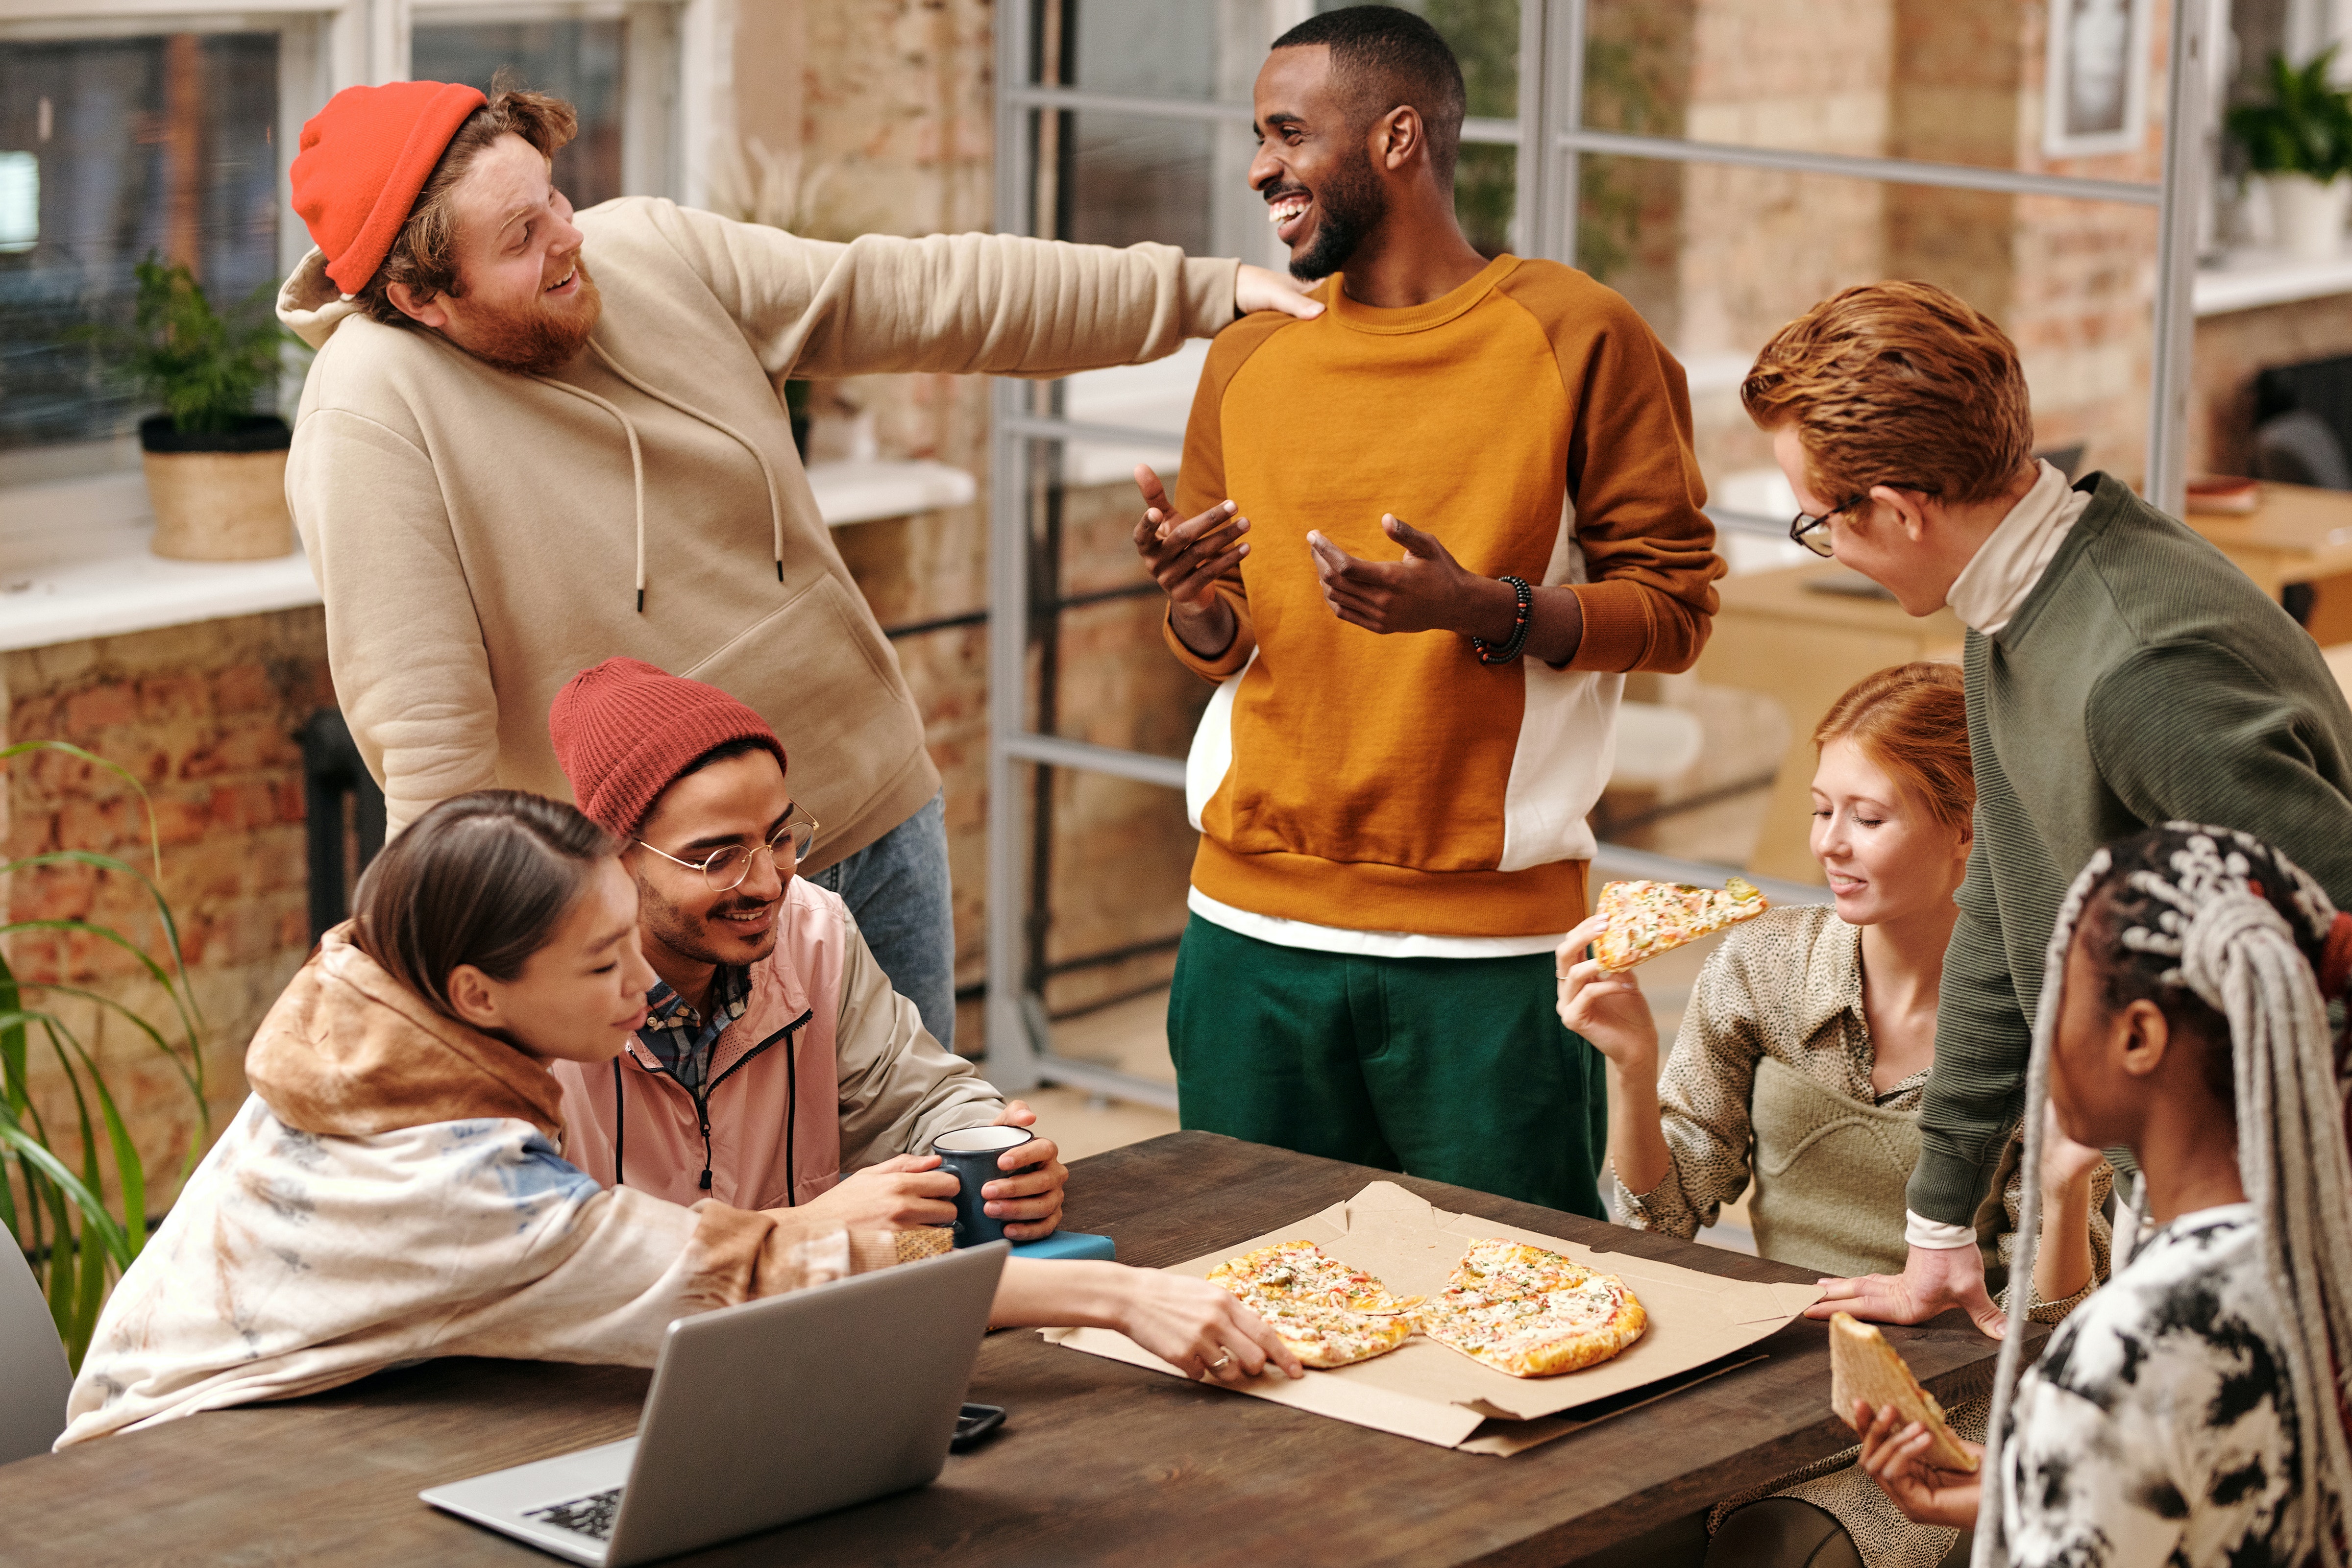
{"x": 682, "y": 1039}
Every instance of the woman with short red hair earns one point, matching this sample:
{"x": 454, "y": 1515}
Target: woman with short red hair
{"x": 1797, "y": 1077}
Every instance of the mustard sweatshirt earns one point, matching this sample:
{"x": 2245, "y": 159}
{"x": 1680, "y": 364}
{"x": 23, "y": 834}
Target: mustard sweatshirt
{"x": 1531, "y": 421}
{"x": 481, "y": 536}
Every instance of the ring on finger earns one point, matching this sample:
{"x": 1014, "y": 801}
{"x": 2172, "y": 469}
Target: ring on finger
{"x": 1225, "y": 1358}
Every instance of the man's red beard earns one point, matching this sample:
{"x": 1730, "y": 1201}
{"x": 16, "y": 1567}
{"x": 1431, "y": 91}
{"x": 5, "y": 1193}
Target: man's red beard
{"x": 540, "y": 340}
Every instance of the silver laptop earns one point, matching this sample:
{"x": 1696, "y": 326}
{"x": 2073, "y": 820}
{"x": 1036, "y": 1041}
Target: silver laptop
{"x": 760, "y": 1415}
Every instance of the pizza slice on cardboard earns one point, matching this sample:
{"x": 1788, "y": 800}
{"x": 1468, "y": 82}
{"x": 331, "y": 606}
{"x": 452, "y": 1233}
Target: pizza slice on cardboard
{"x": 1329, "y": 1314}
{"x": 1646, "y": 918}
{"x": 1305, "y": 1272}
{"x": 1532, "y": 1312}
{"x": 1863, "y": 1365}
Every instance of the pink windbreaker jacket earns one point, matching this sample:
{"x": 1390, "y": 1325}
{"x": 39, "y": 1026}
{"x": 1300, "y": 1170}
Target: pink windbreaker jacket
{"x": 827, "y": 1071}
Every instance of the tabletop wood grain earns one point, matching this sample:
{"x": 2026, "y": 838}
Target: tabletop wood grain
{"x": 1098, "y": 1462}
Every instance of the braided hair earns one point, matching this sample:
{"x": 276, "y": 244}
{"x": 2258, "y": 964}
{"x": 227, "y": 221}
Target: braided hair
{"x": 2225, "y": 934}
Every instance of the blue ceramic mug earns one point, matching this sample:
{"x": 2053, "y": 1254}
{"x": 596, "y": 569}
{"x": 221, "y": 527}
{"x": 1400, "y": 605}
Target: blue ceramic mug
{"x": 971, "y": 1152}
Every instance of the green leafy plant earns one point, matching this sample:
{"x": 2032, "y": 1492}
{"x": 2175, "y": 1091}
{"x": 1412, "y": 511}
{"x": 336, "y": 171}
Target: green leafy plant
{"x": 56, "y": 1208}
{"x": 2306, "y": 129}
{"x": 207, "y": 367}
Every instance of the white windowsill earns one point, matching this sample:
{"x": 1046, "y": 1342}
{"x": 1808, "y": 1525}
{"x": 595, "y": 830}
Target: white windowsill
{"x": 74, "y": 561}
{"x": 2249, "y": 279}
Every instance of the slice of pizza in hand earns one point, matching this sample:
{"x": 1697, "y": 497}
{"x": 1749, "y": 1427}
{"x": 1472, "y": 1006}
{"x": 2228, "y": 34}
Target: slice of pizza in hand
{"x": 1532, "y": 1312}
{"x": 1863, "y": 1365}
{"x": 1646, "y": 918}
{"x": 1304, "y": 1272}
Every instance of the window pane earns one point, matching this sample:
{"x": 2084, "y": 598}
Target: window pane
{"x": 1152, "y": 49}
{"x": 577, "y": 61}
{"x": 1119, "y": 179}
{"x": 1984, "y": 82}
{"x": 1486, "y": 196}
{"x": 116, "y": 149}
{"x": 1717, "y": 259}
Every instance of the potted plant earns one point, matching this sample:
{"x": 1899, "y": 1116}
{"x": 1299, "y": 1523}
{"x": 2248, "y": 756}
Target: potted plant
{"x": 215, "y": 468}
{"x": 2300, "y": 144}
{"x": 53, "y": 1192}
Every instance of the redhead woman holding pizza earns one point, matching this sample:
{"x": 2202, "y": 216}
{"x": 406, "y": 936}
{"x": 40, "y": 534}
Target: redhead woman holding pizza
{"x": 1797, "y": 1076}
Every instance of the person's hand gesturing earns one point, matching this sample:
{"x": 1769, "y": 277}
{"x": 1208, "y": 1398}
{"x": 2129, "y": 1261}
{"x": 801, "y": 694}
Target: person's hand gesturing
{"x": 1186, "y": 558}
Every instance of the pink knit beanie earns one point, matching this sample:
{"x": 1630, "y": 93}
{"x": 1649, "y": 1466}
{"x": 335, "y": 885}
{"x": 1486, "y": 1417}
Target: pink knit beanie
{"x": 625, "y": 730}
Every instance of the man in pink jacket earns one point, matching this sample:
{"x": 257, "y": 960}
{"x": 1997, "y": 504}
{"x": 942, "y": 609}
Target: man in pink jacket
{"x": 778, "y": 1066}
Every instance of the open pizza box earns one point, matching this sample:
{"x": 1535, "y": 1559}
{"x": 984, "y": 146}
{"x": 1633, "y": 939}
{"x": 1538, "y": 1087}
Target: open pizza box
{"x": 1425, "y": 1391}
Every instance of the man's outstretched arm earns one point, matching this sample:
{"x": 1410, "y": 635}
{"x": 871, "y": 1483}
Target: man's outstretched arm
{"x": 965, "y": 303}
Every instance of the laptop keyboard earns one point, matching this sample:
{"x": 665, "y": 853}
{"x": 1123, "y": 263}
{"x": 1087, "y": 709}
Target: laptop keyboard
{"x": 591, "y": 1516}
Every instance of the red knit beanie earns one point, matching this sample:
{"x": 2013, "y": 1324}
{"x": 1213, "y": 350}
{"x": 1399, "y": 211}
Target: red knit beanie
{"x": 625, "y": 730}
{"x": 363, "y": 160}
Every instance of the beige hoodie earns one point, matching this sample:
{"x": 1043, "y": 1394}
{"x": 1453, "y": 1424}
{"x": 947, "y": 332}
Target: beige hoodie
{"x": 481, "y": 536}
{"x": 392, "y": 1192}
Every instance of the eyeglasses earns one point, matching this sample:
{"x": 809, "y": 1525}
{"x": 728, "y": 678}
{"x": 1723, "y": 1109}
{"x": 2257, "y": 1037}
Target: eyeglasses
{"x": 725, "y": 869}
{"x": 1813, "y": 532}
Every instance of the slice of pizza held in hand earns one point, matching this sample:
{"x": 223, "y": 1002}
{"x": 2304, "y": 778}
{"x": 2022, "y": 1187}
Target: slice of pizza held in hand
{"x": 1328, "y": 1312}
{"x": 1530, "y": 1312}
{"x": 1863, "y": 1365}
{"x": 1646, "y": 918}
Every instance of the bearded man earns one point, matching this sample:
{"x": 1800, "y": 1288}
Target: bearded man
{"x": 508, "y": 467}
{"x": 1492, "y": 515}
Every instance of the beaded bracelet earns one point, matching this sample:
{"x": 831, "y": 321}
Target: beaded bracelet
{"x": 1511, "y": 646}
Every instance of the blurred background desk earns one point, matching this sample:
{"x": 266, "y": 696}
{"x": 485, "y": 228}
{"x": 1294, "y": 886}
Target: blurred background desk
{"x": 2298, "y": 538}
{"x": 1785, "y": 635}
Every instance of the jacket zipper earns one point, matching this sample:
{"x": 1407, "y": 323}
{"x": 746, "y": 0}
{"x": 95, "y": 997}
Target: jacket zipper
{"x": 702, "y": 1100}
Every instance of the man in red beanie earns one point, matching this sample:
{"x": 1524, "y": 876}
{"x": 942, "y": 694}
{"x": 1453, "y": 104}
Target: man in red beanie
{"x": 775, "y": 1056}
{"x": 507, "y": 466}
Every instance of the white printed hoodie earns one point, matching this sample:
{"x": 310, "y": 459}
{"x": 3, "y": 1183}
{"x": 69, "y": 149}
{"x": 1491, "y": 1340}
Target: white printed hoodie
{"x": 391, "y": 1192}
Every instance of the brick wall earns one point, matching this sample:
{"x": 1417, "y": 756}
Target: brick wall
{"x": 203, "y": 717}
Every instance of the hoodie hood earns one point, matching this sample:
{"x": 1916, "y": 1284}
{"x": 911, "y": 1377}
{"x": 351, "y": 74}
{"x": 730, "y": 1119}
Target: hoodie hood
{"x": 311, "y": 305}
{"x": 348, "y": 1050}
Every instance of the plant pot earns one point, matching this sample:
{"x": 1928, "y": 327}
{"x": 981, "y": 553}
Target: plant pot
{"x": 2308, "y": 217}
{"x": 218, "y": 497}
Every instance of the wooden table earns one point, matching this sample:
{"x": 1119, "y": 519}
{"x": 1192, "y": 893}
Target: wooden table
{"x": 1804, "y": 648}
{"x": 1099, "y": 1462}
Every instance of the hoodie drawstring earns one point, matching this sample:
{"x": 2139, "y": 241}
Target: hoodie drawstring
{"x": 636, "y": 468}
{"x": 768, "y": 474}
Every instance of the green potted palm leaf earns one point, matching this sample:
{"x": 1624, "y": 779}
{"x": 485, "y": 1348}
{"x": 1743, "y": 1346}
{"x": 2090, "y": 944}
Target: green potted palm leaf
{"x": 216, "y": 467}
{"x": 2300, "y": 145}
{"x": 53, "y": 1165}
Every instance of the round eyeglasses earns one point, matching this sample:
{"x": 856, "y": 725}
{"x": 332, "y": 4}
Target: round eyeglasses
{"x": 725, "y": 869}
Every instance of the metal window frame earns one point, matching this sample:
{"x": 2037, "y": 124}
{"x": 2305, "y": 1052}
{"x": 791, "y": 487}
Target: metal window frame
{"x": 1550, "y": 121}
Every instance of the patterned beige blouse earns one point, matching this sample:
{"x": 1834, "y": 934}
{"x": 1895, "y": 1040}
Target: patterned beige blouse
{"x": 1786, "y": 989}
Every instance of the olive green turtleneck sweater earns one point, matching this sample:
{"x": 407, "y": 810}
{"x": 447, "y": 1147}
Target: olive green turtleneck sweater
{"x": 2145, "y": 679}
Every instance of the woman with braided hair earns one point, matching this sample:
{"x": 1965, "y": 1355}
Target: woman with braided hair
{"x": 2190, "y": 1412}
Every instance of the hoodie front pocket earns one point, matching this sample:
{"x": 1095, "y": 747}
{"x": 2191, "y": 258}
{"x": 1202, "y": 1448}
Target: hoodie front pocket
{"x": 818, "y": 671}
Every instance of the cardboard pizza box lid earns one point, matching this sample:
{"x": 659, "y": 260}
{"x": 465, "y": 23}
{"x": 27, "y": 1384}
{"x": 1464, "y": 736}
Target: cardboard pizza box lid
{"x": 1425, "y": 1391}
{"x": 1863, "y": 1365}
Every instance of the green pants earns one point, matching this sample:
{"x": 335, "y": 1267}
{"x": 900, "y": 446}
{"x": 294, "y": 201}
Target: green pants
{"x": 1456, "y": 1069}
